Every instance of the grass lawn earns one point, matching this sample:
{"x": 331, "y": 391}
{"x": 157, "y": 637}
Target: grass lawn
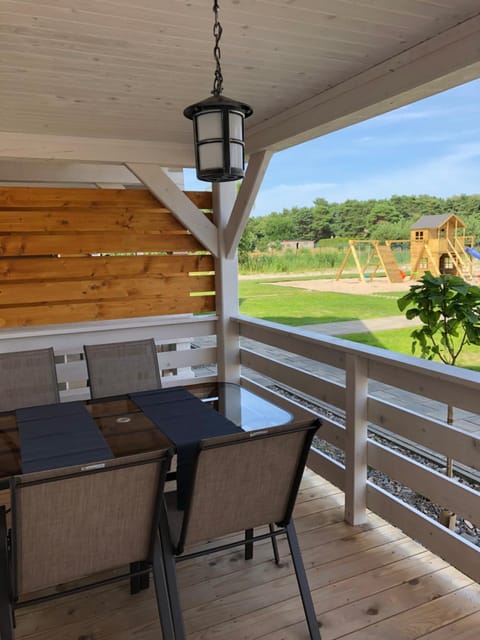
{"x": 296, "y": 307}
{"x": 399, "y": 340}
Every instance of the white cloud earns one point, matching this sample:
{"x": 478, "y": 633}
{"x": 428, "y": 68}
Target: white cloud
{"x": 411, "y": 112}
{"x": 453, "y": 173}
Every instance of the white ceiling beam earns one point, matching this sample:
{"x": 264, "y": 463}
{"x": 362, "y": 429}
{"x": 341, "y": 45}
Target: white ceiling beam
{"x": 62, "y": 171}
{"x": 31, "y": 146}
{"x": 165, "y": 189}
{"x": 444, "y": 61}
{"x": 257, "y": 166}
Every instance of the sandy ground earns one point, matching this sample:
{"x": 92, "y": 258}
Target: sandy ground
{"x": 347, "y": 285}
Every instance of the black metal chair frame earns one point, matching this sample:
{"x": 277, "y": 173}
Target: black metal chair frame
{"x": 154, "y": 563}
{"x": 172, "y": 554}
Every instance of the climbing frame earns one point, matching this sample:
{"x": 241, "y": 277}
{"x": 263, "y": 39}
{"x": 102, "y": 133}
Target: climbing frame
{"x": 380, "y": 257}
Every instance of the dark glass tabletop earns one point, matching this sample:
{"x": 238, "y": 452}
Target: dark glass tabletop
{"x": 127, "y": 430}
{"x": 246, "y": 409}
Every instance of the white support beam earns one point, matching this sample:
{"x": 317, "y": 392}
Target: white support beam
{"x": 442, "y": 62}
{"x": 257, "y": 166}
{"x": 165, "y": 189}
{"x": 30, "y": 146}
{"x": 226, "y": 286}
{"x": 63, "y": 172}
{"x": 59, "y": 171}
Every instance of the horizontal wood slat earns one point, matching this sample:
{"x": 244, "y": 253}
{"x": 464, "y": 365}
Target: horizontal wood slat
{"x": 12, "y": 269}
{"x": 71, "y": 290}
{"x": 427, "y": 482}
{"x": 41, "y": 197}
{"x": 31, "y": 315}
{"x": 443, "y": 438}
{"x": 152, "y": 220}
{"x": 88, "y": 243}
{"x": 320, "y": 388}
{"x": 60, "y": 262}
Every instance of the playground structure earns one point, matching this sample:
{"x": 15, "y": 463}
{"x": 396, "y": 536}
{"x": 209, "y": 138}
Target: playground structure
{"x": 380, "y": 256}
{"x": 437, "y": 244}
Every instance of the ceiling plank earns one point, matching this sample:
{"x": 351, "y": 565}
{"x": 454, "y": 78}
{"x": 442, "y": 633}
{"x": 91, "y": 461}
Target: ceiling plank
{"x": 444, "y": 61}
{"x": 163, "y": 188}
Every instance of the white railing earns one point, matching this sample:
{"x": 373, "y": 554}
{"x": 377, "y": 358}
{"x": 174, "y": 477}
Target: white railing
{"x": 406, "y": 396}
{"x": 356, "y": 386}
{"x": 174, "y": 335}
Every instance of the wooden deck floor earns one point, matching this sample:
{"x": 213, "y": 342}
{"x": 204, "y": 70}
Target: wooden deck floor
{"x": 368, "y": 583}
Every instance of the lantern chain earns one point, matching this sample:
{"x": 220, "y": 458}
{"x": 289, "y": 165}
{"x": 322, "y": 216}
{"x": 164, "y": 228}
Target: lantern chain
{"x": 217, "y": 34}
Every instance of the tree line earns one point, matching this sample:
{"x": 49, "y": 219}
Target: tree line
{"x": 386, "y": 219}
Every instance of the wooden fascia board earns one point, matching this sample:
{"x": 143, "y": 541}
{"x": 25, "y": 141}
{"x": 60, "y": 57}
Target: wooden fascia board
{"x": 446, "y": 60}
{"x": 49, "y": 147}
{"x": 257, "y": 166}
{"x": 165, "y": 189}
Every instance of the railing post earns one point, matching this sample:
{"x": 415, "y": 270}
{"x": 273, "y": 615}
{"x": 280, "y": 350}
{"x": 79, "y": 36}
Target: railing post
{"x": 226, "y": 285}
{"x": 356, "y": 439}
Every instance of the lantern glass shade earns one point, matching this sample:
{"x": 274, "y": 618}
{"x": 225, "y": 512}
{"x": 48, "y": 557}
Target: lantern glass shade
{"x": 218, "y": 125}
{"x": 236, "y": 126}
{"x": 209, "y": 125}
{"x": 210, "y": 156}
{"x": 236, "y": 155}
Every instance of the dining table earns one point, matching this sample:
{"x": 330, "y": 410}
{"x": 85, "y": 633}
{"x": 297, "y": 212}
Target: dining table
{"x": 89, "y": 431}
{"x": 86, "y": 433}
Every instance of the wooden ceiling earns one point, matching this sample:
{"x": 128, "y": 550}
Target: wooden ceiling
{"x": 123, "y": 70}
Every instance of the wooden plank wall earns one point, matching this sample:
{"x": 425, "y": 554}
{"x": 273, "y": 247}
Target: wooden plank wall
{"x": 72, "y": 255}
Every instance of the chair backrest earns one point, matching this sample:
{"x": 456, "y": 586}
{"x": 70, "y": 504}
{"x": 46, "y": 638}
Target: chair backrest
{"x": 245, "y": 481}
{"x": 117, "y": 368}
{"x": 74, "y": 522}
{"x": 27, "y": 379}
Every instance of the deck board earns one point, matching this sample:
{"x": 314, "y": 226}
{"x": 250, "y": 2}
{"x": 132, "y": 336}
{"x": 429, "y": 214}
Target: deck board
{"x": 368, "y": 582}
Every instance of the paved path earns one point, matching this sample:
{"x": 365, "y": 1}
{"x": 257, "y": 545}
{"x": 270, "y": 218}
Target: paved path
{"x": 362, "y": 326}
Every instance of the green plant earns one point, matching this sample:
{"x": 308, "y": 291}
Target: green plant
{"x": 449, "y": 309}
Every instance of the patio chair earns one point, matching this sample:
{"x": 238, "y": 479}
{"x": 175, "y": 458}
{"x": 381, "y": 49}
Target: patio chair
{"x": 241, "y": 482}
{"x": 117, "y": 368}
{"x": 72, "y": 523}
{"x": 27, "y": 379}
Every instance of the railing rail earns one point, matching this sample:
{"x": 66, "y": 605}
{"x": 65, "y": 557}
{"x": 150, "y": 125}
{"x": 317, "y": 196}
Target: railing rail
{"x": 365, "y": 386}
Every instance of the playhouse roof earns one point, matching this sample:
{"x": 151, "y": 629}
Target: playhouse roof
{"x": 433, "y": 222}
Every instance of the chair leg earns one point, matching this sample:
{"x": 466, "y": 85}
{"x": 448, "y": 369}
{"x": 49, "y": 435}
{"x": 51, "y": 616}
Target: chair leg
{"x": 248, "y": 545}
{"x": 276, "y": 554}
{"x": 6, "y": 610}
{"x": 162, "y": 592}
{"x": 302, "y": 581}
{"x": 170, "y": 574}
{"x": 138, "y": 583}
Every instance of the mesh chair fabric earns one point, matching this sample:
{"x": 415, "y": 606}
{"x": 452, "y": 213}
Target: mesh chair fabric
{"x": 122, "y": 367}
{"x": 27, "y": 379}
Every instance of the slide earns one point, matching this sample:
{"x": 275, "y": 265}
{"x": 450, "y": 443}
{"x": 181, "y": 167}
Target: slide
{"x": 389, "y": 264}
{"x": 473, "y": 252}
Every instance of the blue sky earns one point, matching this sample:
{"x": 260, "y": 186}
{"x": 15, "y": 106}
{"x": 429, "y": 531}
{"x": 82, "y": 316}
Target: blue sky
{"x": 429, "y": 147}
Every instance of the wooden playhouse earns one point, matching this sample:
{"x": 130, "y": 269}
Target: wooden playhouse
{"x": 438, "y": 244}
